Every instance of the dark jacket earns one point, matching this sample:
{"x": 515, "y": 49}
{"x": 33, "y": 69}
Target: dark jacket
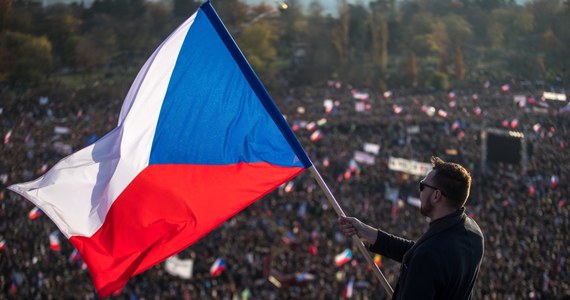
{"x": 442, "y": 264}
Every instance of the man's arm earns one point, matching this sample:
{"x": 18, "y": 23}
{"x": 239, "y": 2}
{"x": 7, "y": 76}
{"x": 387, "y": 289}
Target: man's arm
{"x": 379, "y": 241}
{"x": 391, "y": 246}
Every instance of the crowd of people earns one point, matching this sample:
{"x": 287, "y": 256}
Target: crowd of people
{"x": 284, "y": 245}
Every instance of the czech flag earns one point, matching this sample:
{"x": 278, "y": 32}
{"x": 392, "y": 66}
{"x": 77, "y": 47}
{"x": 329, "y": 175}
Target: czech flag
{"x": 199, "y": 139}
{"x": 348, "y": 290}
{"x": 74, "y": 256}
{"x": 218, "y": 267}
{"x": 343, "y": 257}
{"x": 54, "y": 241}
{"x": 34, "y": 213}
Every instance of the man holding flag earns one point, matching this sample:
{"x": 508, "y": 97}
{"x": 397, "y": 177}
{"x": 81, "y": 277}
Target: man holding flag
{"x": 445, "y": 261}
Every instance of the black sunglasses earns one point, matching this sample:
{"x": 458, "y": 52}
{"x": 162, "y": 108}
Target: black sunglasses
{"x": 423, "y": 185}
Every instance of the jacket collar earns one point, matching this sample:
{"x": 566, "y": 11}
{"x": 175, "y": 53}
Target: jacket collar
{"x": 439, "y": 225}
{"x": 447, "y": 221}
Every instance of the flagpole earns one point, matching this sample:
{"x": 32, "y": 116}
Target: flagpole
{"x": 355, "y": 238}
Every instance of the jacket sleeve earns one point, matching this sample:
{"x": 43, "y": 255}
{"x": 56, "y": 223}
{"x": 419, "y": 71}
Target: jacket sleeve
{"x": 391, "y": 246}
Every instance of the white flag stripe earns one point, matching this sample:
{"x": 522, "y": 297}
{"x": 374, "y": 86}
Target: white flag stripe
{"x": 76, "y": 172}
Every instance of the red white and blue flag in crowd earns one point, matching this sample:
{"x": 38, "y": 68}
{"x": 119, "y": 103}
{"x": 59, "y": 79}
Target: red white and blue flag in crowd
{"x": 34, "y": 213}
{"x": 218, "y": 267}
{"x": 343, "y": 257}
{"x": 54, "y": 243}
{"x": 348, "y": 290}
{"x": 198, "y": 140}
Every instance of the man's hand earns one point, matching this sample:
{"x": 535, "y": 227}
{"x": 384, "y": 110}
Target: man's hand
{"x": 351, "y": 226}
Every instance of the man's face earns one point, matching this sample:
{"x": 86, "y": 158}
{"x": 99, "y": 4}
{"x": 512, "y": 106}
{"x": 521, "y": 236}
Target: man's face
{"x": 426, "y": 194}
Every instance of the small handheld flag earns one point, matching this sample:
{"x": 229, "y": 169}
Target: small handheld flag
{"x": 34, "y": 213}
{"x": 348, "y": 290}
{"x": 74, "y": 256}
{"x": 54, "y": 241}
{"x": 218, "y": 267}
{"x": 343, "y": 257}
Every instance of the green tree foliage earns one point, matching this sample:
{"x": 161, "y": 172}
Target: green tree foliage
{"x": 489, "y": 5}
{"x": 510, "y": 27}
{"x": 379, "y": 46}
{"x": 89, "y": 55}
{"x": 340, "y": 38}
{"x": 5, "y": 10}
{"x": 319, "y": 60}
{"x": 458, "y": 29}
{"x": 552, "y": 27}
{"x": 552, "y": 48}
{"x": 496, "y": 34}
{"x": 21, "y": 19}
{"x": 460, "y": 33}
{"x": 359, "y": 33}
{"x": 379, "y": 40}
{"x": 120, "y": 9}
{"x": 293, "y": 29}
{"x": 412, "y": 69}
{"x": 233, "y": 12}
{"x": 459, "y": 64}
{"x": 360, "y": 68}
{"x": 420, "y": 34}
{"x": 101, "y": 36}
{"x": 439, "y": 81}
{"x": 386, "y": 43}
{"x": 438, "y": 40}
{"x": 443, "y": 63}
{"x": 62, "y": 24}
{"x": 182, "y": 9}
{"x": 257, "y": 43}
{"x": 28, "y": 57}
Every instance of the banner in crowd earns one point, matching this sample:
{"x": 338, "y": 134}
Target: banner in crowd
{"x": 414, "y": 201}
{"x": 182, "y": 268}
{"x": 408, "y": 166}
{"x": 372, "y": 148}
{"x": 520, "y": 100}
{"x": 363, "y": 96}
{"x": 413, "y": 129}
{"x": 554, "y": 96}
{"x": 365, "y": 158}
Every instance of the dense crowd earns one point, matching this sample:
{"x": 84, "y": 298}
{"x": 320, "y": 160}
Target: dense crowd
{"x": 522, "y": 208}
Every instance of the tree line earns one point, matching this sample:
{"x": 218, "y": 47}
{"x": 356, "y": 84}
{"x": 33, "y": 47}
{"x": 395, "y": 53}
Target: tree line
{"x": 417, "y": 43}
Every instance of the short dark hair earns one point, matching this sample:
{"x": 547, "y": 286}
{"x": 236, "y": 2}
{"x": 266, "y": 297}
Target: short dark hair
{"x": 453, "y": 179}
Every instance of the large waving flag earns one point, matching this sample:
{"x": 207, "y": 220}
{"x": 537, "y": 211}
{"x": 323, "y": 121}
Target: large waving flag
{"x": 198, "y": 140}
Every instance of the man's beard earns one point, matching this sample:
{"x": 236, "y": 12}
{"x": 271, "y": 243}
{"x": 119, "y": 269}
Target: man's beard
{"x": 426, "y": 208}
